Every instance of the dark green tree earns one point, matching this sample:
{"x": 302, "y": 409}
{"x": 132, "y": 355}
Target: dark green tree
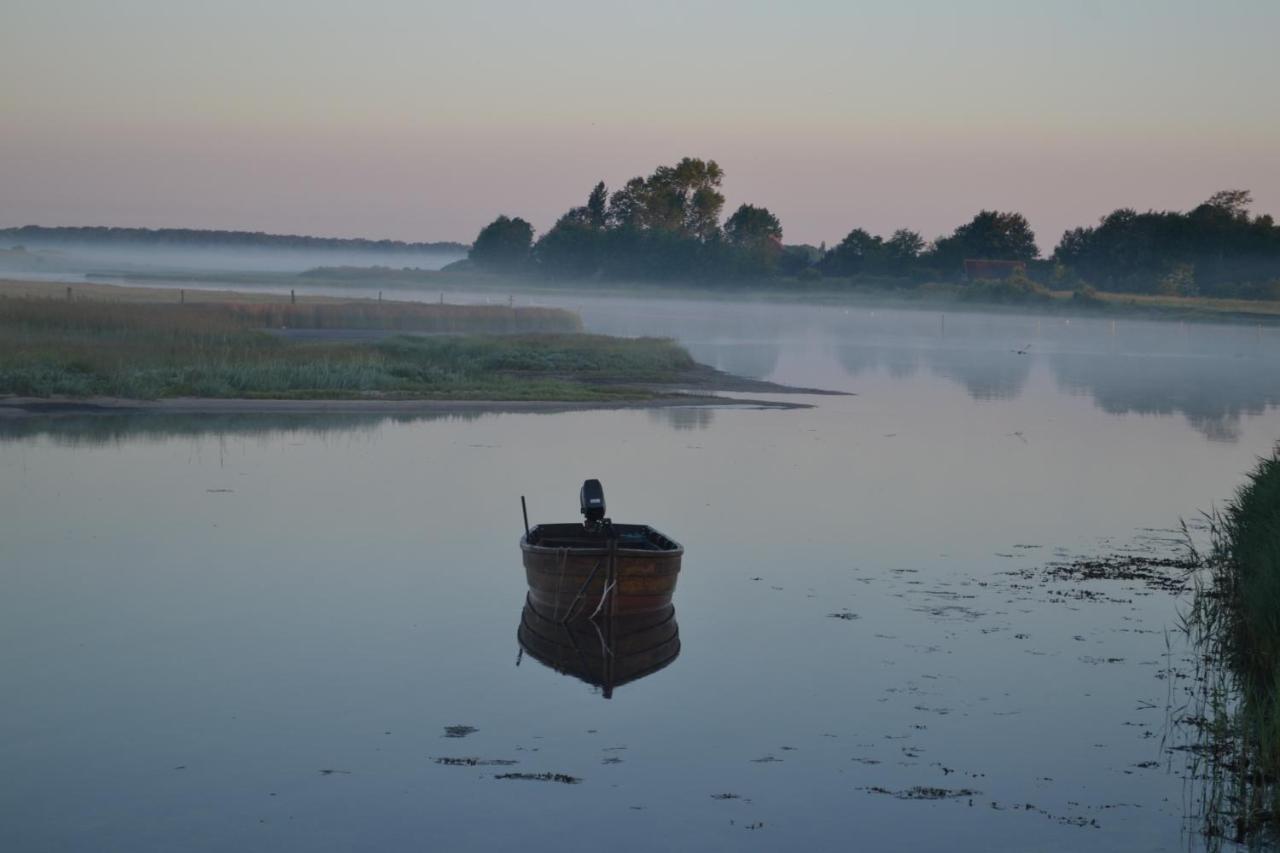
{"x": 503, "y": 244}
{"x": 575, "y": 245}
{"x": 902, "y": 251}
{"x": 1235, "y": 203}
{"x": 1215, "y": 249}
{"x": 597, "y": 206}
{"x": 756, "y": 236}
{"x": 627, "y": 206}
{"x": 859, "y": 252}
{"x": 991, "y": 235}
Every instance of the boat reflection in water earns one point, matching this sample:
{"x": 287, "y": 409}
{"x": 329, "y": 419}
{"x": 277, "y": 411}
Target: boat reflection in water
{"x": 599, "y": 603}
{"x": 608, "y": 651}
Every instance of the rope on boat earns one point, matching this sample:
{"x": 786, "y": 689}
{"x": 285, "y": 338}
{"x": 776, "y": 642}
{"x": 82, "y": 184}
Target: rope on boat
{"x": 564, "y": 558}
{"x": 604, "y": 595}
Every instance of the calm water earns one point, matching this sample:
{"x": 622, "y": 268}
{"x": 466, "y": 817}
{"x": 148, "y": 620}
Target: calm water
{"x": 200, "y": 618}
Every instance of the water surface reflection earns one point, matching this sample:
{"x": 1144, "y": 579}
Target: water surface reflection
{"x": 606, "y": 652}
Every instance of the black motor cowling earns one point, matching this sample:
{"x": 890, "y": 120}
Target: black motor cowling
{"x": 591, "y": 499}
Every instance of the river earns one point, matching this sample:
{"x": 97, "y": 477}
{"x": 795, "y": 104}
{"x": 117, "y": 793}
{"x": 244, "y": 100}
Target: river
{"x": 262, "y": 633}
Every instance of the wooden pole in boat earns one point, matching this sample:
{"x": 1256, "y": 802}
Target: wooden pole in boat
{"x": 525, "y": 509}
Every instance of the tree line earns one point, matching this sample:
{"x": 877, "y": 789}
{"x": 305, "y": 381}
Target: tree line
{"x": 668, "y": 226}
{"x": 199, "y": 238}
{"x": 662, "y": 227}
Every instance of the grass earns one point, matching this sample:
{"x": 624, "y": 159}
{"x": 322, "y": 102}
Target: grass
{"x": 28, "y": 312}
{"x": 149, "y": 351}
{"x": 1208, "y": 304}
{"x": 1235, "y": 620}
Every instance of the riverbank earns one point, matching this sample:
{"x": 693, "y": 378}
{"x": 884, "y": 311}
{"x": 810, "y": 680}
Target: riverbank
{"x": 29, "y": 407}
{"x": 141, "y": 345}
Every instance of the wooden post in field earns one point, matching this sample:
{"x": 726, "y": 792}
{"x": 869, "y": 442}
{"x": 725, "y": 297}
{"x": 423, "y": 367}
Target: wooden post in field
{"x": 182, "y": 297}
{"x": 68, "y": 294}
{"x": 379, "y": 295}
{"x": 293, "y": 297}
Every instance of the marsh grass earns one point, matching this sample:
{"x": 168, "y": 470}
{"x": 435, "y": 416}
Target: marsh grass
{"x": 101, "y": 316}
{"x": 1235, "y": 622}
{"x": 149, "y": 351}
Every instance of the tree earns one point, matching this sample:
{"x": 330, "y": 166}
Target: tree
{"x": 858, "y": 252}
{"x": 902, "y": 250}
{"x": 597, "y": 204}
{"x": 991, "y": 235}
{"x": 571, "y": 248}
{"x": 683, "y": 199}
{"x": 664, "y": 226}
{"x": 627, "y": 205}
{"x": 1215, "y": 249}
{"x": 756, "y": 234}
{"x": 1233, "y": 202}
{"x": 752, "y": 226}
{"x": 503, "y": 244}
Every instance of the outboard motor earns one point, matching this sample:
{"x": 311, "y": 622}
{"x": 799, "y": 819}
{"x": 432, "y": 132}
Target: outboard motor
{"x": 592, "y": 500}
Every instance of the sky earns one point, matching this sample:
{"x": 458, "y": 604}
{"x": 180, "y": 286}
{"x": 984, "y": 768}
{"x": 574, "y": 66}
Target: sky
{"x": 422, "y": 120}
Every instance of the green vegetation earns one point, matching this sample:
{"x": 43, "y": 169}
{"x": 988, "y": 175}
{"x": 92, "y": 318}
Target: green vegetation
{"x": 503, "y": 244}
{"x": 1215, "y": 249}
{"x": 149, "y": 351}
{"x": 664, "y": 227}
{"x": 667, "y": 228}
{"x": 78, "y": 315}
{"x": 1235, "y": 620}
{"x": 1017, "y": 289}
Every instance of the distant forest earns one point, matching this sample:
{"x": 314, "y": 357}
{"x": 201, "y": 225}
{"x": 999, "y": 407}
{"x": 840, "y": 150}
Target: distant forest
{"x": 195, "y": 238}
{"x": 668, "y": 227}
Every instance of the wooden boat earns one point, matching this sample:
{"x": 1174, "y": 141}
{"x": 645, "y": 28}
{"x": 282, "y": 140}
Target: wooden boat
{"x": 606, "y": 653}
{"x": 569, "y": 567}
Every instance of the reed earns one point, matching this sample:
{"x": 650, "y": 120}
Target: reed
{"x": 208, "y": 317}
{"x": 1235, "y": 622}
{"x": 148, "y": 351}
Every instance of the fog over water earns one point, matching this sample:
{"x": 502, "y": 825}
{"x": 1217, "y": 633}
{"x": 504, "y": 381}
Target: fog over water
{"x": 61, "y": 259}
{"x": 253, "y": 632}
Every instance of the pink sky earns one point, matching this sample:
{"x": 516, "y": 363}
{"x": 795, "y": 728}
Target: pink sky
{"x": 423, "y": 122}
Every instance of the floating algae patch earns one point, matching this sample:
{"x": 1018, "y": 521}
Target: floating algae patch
{"x": 1166, "y": 574}
{"x": 459, "y": 731}
{"x": 475, "y": 762}
{"x": 562, "y": 778}
{"x": 924, "y": 792}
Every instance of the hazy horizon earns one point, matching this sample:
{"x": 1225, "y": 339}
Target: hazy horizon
{"x": 252, "y": 117}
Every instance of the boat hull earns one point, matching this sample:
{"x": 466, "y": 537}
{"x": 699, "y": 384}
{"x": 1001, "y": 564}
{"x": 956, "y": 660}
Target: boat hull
{"x": 560, "y": 575}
